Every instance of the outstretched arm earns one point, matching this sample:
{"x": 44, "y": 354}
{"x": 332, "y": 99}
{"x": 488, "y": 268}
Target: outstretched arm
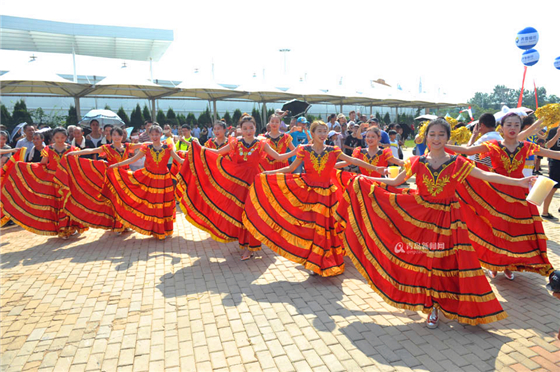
{"x": 8, "y": 151}
{"x": 392, "y": 181}
{"x": 224, "y": 150}
{"x": 289, "y": 169}
{"x": 396, "y": 161}
{"x": 534, "y": 128}
{"x": 128, "y": 161}
{"x": 176, "y": 157}
{"x": 498, "y": 178}
{"x": 467, "y": 150}
{"x": 362, "y": 164}
{"x": 97, "y": 150}
{"x": 270, "y": 151}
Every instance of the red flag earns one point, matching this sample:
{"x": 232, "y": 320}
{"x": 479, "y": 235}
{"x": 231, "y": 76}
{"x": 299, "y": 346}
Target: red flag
{"x": 522, "y": 88}
{"x": 536, "y": 99}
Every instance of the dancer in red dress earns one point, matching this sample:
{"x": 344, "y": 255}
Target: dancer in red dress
{"x": 219, "y": 140}
{"x": 85, "y": 178}
{"x": 293, "y": 214}
{"x": 144, "y": 200}
{"x": 414, "y": 250}
{"x": 505, "y": 229}
{"x": 216, "y": 187}
{"x": 279, "y": 142}
{"x": 32, "y": 198}
{"x": 19, "y": 155}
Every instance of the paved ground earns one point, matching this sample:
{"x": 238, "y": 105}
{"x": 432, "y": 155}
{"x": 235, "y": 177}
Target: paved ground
{"x": 131, "y": 303}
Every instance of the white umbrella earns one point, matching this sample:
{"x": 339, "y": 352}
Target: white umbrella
{"x": 103, "y": 117}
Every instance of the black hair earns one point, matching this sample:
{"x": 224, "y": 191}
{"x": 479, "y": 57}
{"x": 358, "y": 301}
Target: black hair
{"x": 156, "y": 128}
{"x": 91, "y": 122}
{"x": 117, "y": 130}
{"x": 26, "y": 125}
{"x": 391, "y": 132}
{"x": 108, "y": 126}
{"x": 5, "y": 134}
{"x": 148, "y": 122}
{"x": 527, "y": 121}
{"x": 221, "y": 124}
{"x": 186, "y": 126}
{"x": 438, "y": 121}
{"x": 39, "y": 134}
{"x": 391, "y": 126}
{"x": 488, "y": 120}
{"x": 59, "y": 130}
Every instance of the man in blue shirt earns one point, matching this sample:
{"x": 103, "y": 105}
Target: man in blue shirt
{"x": 300, "y": 136}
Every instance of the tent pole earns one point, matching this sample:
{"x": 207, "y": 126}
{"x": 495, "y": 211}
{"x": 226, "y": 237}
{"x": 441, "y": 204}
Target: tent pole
{"x": 215, "y": 110}
{"x": 370, "y": 110}
{"x": 397, "y": 112}
{"x": 77, "y": 105}
{"x": 74, "y": 63}
{"x": 151, "y": 71}
{"x": 153, "y": 109}
{"x": 263, "y": 115}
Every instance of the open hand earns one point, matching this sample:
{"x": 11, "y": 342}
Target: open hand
{"x": 527, "y": 181}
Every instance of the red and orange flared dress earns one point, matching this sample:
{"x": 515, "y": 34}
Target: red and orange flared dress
{"x": 4, "y": 171}
{"x": 293, "y": 214}
{"x": 34, "y": 199}
{"x": 414, "y": 249}
{"x": 216, "y": 188}
{"x": 84, "y": 178}
{"x": 281, "y": 145}
{"x": 505, "y": 229}
{"x": 379, "y": 159}
{"x": 144, "y": 200}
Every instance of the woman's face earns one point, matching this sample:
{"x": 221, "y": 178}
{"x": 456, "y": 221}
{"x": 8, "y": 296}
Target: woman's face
{"x": 59, "y": 138}
{"x": 3, "y": 141}
{"x": 155, "y": 136}
{"x": 248, "y": 129}
{"x": 372, "y": 139}
{"x": 219, "y": 131}
{"x": 511, "y": 127}
{"x": 274, "y": 124}
{"x": 437, "y": 137}
{"x": 320, "y": 133}
{"x": 116, "y": 137}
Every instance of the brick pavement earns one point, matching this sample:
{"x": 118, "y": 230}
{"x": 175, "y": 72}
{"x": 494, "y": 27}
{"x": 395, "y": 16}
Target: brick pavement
{"x": 131, "y": 303}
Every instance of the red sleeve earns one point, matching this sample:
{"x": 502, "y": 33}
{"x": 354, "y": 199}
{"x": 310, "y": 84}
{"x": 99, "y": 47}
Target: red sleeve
{"x": 103, "y": 152}
{"x": 463, "y": 168}
{"x": 232, "y": 142}
{"x": 356, "y": 152}
{"x": 388, "y": 154}
{"x": 337, "y": 151}
{"x": 45, "y": 152}
{"x": 491, "y": 146}
{"x": 300, "y": 154}
{"x": 144, "y": 148}
{"x": 411, "y": 166}
{"x": 532, "y": 148}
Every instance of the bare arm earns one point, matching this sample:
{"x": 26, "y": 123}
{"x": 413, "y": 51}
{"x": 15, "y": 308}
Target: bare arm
{"x": 534, "y": 128}
{"x": 176, "y": 157}
{"x": 396, "y": 161}
{"x": 341, "y": 164}
{"x": 392, "y": 181}
{"x": 8, "y": 151}
{"x": 131, "y": 160}
{"x": 503, "y": 180}
{"x": 549, "y": 153}
{"x": 467, "y": 150}
{"x": 361, "y": 163}
{"x": 134, "y": 146}
{"x": 270, "y": 151}
{"x": 289, "y": 169}
{"x": 553, "y": 140}
{"x": 97, "y": 150}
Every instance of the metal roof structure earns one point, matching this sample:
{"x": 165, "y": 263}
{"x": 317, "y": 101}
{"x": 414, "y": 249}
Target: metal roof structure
{"x": 36, "y": 35}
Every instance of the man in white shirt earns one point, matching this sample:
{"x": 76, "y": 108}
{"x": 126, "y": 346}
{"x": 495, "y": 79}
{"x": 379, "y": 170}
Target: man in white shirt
{"x": 95, "y": 136}
{"x": 487, "y": 127}
{"x": 26, "y": 141}
{"x": 196, "y": 131}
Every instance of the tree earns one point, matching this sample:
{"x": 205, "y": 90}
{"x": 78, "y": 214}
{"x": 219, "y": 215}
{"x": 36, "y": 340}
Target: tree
{"x": 378, "y": 116}
{"x": 227, "y": 118}
{"x": 257, "y": 116}
{"x": 72, "y": 118}
{"x": 236, "y": 116}
{"x": 136, "y": 117}
{"x": 6, "y": 117}
{"x": 181, "y": 119}
{"x": 387, "y": 118}
{"x": 191, "y": 119}
{"x": 171, "y": 117}
{"x": 107, "y": 107}
{"x": 20, "y": 113}
{"x": 39, "y": 115}
{"x": 146, "y": 113}
{"x": 160, "y": 117}
{"x": 124, "y": 117}
{"x": 205, "y": 117}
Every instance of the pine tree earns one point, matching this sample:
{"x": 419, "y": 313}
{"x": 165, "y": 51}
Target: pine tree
{"x": 107, "y": 107}
{"x": 227, "y": 118}
{"x": 124, "y": 117}
{"x": 171, "y": 117}
{"x": 236, "y": 116}
{"x": 136, "y": 118}
{"x": 20, "y": 113}
{"x": 160, "y": 118}
{"x": 72, "y": 118}
{"x": 6, "y": 117}
{"x": 191, "y": 119}
{"x": 146, "y": 113}
{"x": 387, "y": 118}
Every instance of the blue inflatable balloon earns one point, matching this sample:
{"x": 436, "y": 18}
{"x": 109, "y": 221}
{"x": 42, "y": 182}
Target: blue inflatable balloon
{"x": 527, "y": 38}
{"x": 530, "y": 57}
{"x": 557, "y": 63}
